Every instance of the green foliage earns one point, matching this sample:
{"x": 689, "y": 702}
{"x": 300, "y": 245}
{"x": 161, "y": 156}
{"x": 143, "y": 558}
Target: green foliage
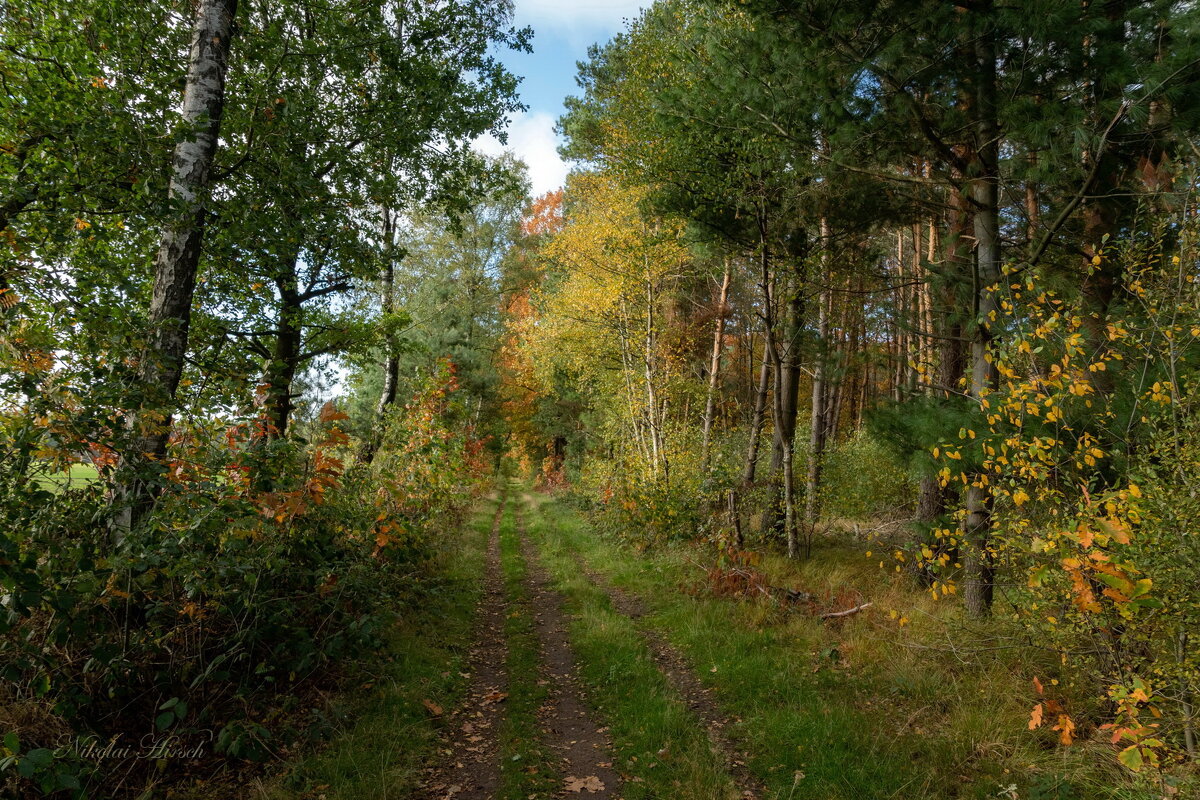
{"x": 262, "y": 561}
{"x": 864, "y": 479}
{"x": 1091, "y": 484}
{"x": 264, "y": 565}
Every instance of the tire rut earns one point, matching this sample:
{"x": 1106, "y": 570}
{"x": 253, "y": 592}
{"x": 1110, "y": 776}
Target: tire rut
{"x": 470, "y": 768}
{"x": 584, "y": 749}
{"x": 683, "y": 679}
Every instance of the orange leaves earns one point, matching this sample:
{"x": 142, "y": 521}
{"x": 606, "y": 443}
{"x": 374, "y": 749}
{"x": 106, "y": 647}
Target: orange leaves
{"x": 1117, "y": 582}
{"x": 1093, "y": 572}
{"x": 426, "y": 463}
{"x": 1035, "y": 717}
{"x": 193, "y": 610}
{"x": 1066, "y": 730}
{"x": 545, "y": 215}
{"x": 1064, "y": 724}
{"x": 330, "y": 413}
{"x": 32, "y": 361}
{"x": 1085, "y": 535}
{"x": 111, "y": 587}
{"x": 383, "y": 536}
{"x": 1145, "y": 742}
{"x": 1116, "y": 529}
{"x": 1081, "y": 589}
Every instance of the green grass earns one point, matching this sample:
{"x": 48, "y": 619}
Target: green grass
{"x": 78, "y": 476}
{"x": 527, "y": 768}
{"x": 392, "y": 735}
{"x": 864, "y": 709}
{"x": 659, "y": 743}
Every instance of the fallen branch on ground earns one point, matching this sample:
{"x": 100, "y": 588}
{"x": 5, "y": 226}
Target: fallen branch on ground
{"x": 846, "y": 613}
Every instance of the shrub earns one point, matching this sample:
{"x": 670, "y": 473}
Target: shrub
{"x": 264, "y": 564}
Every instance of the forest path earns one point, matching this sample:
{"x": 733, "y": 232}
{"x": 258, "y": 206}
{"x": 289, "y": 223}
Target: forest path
{"x": 470, "y": 768}
{"x": 490, "y": 728}
{"x": 694, "y": 739}
{"x": 569, "y": 727}
{"x": 683, "y": 679}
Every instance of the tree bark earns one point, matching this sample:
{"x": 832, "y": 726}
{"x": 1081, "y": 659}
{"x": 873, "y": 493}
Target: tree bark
{"x": 161, "y": 365}
{"x": 785, "y": 361}
{"x": 978, "y": 562}
{"x": 391, "y": 360}
{"x": 285, "y": 360}
{"x": 714, "y": 370}
{"x": 786, "y": 404}
{"x": 1102, "y": 208}
{"x": 654, "y": 412}
{"x": 757, "y": 421}
{"x": 816, "y": 439}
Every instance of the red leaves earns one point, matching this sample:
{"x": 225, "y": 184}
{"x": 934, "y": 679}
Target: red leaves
{"x": 330, "y": 413}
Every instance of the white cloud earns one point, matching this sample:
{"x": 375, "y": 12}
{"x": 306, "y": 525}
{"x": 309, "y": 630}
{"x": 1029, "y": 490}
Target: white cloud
{"x": 577, "y": 14}
{"x": 531, "y": 138}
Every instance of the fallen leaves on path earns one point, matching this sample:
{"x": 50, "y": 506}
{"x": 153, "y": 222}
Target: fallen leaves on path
{"x": 577, "y": 785}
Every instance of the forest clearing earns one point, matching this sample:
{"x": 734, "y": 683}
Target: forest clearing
{"x": 646, "y": 399}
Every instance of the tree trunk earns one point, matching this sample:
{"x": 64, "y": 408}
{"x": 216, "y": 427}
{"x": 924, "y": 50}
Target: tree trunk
{"x": 391, "y": 360}
{"x": 816, "y": 439}
{"x": 756, "y": 421}
{"x": 933, "y": 499}
{"x": 786, "y": 405}
{"x": 285, "y": 360}
{"x": 1102, "y": 208}
{"x": 652, "y": 405}
{"x": 978, "y": 562}
{"x": 714, "y": 370}
{"x": 636, "y": 418}
{"x": 161, "y": 365}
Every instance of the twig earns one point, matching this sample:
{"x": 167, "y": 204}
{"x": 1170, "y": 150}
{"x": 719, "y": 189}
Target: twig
{"x": 846, "y": 613}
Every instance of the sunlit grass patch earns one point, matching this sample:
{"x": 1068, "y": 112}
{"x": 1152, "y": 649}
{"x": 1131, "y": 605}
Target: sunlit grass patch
{"x": 883, "y": 704}
{"x": 76, "y": 477}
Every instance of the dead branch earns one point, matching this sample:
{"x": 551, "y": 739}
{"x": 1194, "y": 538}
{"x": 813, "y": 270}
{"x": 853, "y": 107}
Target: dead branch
{"x": 846, "y": 613}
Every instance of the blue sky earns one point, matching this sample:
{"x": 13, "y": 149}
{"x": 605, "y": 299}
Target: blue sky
{"x": 562, "y": 32}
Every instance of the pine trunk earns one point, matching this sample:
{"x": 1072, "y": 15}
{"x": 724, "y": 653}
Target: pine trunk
{"x": 978, "y": 560}
{"x": 756, "y": 422}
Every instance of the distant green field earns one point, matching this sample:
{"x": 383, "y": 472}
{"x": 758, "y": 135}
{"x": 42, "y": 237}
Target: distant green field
{"x": 79, "y": 475}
